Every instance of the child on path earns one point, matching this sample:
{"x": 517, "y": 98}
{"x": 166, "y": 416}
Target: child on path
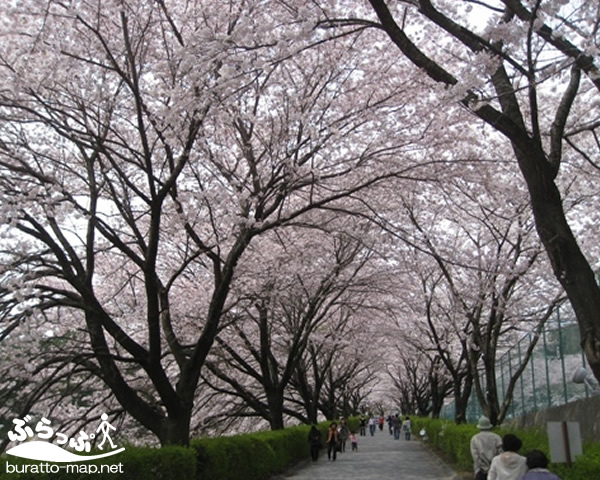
{"x": 354, "y": 441}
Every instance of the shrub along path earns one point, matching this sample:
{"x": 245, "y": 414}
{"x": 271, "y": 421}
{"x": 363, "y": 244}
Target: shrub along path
{"x": 378, "y": 457}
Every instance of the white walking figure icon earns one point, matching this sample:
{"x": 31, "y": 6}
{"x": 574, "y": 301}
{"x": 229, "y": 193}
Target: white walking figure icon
{"x": 104, "y": 428}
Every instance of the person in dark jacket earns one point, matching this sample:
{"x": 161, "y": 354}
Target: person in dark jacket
{"x": 363, "y": 425}
{"x": 537, "y": 463}
{"x": 343, "y": 433}
{"x": 314, "y": 438}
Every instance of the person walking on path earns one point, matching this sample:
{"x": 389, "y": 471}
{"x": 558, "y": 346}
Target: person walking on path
{"x": 363, "y": 425}
{"x": 372, "y": 425}
{"x": 381, "y": 422}
{"x": 508, "y": 465}
{"x": 537, "y": 463}
{"x": 332, "y": 441}
{"x": 314, "y": 438}
{"x": 484, "y": 445}
{"x": 378, "y": 457}
{"x": 343, "y": 434}
{"x": 407, "y": 427}
{"x": 396, "y": 426}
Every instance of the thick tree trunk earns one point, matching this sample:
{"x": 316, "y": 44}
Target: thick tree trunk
{"x": 175, "y": 429}
{"x": 439, "y": 389}
{"x": 491, "y": 405}
{"x": 436, "y": 406}
{"x": 309, "y": 400}
{"x": 328, "y": 406}
{"x": 570, "y": 266}
{"x": 309, "y": 392}
{"x": 275, "y": 402}
{"x": 460, "y": 410}
{"x": 311, "y": 412}
{"x": 462, "y": 393}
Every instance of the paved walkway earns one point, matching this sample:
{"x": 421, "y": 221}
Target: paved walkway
{"x": 378, "y": 457}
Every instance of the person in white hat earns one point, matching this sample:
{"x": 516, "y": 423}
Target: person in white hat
{"x": 485, "y": 445}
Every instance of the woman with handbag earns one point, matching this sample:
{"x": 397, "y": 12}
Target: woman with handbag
{"x": 332, "y": 441}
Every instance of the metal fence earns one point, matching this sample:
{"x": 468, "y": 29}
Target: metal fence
{"x": 557, "y": 372}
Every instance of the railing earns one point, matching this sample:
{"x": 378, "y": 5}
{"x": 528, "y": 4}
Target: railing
{"x": 556, "y": 374}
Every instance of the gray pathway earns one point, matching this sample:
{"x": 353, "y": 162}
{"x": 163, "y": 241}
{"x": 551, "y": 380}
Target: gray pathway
{"x": 378, "y": 457}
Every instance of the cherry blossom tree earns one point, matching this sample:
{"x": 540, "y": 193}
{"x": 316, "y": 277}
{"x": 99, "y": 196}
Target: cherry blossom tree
{"x": 323, "y": 277}
{"x": 421, "y": 381}
{"x": 529, "y": 70}
{"x": 346, "y": 383}
{"x": 442, "y": 336}
{"x": 337, "y": 374}
{"x": 144, "y": 146}
{"x": 477, "y": 262}
{"x": 43, "y": 375}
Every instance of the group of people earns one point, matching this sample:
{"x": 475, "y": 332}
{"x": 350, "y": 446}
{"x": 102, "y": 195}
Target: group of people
{"x": 338, "y": 435}
{"x": 497, "y": 458}
{"x": 494, "y": 457}
{"x": 395, "y": 425}
{"x": 337, "y": 438}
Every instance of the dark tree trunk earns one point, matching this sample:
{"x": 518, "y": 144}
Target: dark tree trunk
{"x": 462, "y": 392}
{"x": 570, "y": 267}
{"x": 307, "y": 392}
{"x": 440, "y": 388}
{"x": 275, "y": 403}
{"x": 175, "y": 430}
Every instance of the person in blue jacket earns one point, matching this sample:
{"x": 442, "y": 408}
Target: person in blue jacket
{"x": 537, "y": 463}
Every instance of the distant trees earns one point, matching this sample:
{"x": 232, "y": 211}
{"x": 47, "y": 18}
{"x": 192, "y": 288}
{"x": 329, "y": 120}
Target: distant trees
{"x": 260, "y": 356}
{"x": 475, "y": 259}
{"x": 421, "y": 381}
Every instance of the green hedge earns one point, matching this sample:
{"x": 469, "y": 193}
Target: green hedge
{"x": 353, "y": 424}
{"x": 454, "y": 440}
{"x": 271, "y": 452}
